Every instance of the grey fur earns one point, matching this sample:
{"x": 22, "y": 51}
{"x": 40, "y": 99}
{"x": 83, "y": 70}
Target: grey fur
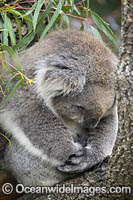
{"x": 66, "y": 122}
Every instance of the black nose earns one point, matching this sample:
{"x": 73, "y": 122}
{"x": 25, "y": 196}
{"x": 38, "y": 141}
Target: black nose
{"x": 91, "y": 123}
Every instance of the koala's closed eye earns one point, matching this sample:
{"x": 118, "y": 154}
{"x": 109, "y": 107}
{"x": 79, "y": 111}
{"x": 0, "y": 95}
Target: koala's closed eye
{"x": 61, "y": 66}
{"x": 80, "y": 108}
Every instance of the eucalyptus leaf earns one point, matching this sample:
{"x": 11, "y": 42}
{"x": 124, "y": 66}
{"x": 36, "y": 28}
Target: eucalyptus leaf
{"x": 25, "y": 41}
{"x": 96, "y": 33}
{"x": 13, "y": 55}
{"x": 5, "y": 33}
{"x": 13, "y": 90}
{"x": 11, "y": 31}
{"x": 103, "y": 26}
{"x": 31, "y": 9}
{"x": 8, "y": 85}
{"x": 43, "y": 16}
{"x": 53, "y": 19}
{"x": 37, "y": 11}
{"x": 19, "y": 27}
{"x": 14, "y": 12}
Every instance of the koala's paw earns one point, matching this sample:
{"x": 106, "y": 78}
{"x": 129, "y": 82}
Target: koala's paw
{"x": 79, "y": 162}
{"x": 76, "y": 163}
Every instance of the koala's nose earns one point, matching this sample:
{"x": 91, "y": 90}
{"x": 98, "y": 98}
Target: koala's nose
{"x": 91, "y": 123}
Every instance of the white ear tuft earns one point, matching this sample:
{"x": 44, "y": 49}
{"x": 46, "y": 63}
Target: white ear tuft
{"x": 56, "y": 83}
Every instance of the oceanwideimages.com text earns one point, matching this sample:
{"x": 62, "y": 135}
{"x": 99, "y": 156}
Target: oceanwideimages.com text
{"x": 7, "y": 188}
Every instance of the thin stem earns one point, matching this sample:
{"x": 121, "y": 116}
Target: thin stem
{"x": 67, "y": 14}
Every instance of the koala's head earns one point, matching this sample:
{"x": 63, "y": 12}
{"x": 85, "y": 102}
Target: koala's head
{"x": 76, "y": 80}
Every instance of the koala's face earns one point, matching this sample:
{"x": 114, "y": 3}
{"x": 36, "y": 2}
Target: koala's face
{"x": 86, "y": 109}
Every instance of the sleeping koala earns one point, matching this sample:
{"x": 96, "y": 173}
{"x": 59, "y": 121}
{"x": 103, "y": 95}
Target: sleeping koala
{"x": 66, "y": 121}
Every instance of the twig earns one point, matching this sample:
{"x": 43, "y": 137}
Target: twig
{"x": 67, "y": 14}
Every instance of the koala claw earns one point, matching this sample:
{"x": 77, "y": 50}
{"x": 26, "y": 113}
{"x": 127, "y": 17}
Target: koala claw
{"x": 76, "y": 157}
{"x": 78, "y": 153}
{"x": 74, "y": 160}
{"x": 73, "y": 169}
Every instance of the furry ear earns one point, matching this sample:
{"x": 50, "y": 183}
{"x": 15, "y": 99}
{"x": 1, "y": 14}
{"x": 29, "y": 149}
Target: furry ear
{"x": 57, "y": 79}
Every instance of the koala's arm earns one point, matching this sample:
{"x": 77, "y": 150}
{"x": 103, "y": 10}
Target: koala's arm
{"x": 99, "y": 144}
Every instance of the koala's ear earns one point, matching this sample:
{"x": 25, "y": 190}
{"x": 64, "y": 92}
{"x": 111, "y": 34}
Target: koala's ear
{"x": 57, "y": 79}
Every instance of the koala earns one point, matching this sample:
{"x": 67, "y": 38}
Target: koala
{"x": 66, "y": 121}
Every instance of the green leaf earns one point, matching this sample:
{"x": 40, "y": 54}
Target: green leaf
{"x": 31, "y": 10}
{"x": 66, "y": 8}
{"x": 96, "y": 33}
{"x": 13, "y": 55}
{"x": 2, "y": 29}
{"x": 66, "y": 21}
{"x": 14, "y": 12}
{"x": 5, "y": 33}
{"x": 103, "y": 27}
{"x": 76, "y": 10}
{"x": 53, "y": 19}
{"x": 88, "y": 5}
{"x": 5, "y": 67}
{"x": 22, "y": 83}
{"x": 72, "y": 3}
{"x": 25, "y": 41}
{"x": 13, "y": 91}
{"x": 37, "y": 12}
{"x": 29, "y": 24}
{"x": 19, "y": 27}
{"x": 8, "y": 85}
{"x": 82, "y": 26}
{"x": 11, "y": 32}
{"x": 43, "y": 16}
